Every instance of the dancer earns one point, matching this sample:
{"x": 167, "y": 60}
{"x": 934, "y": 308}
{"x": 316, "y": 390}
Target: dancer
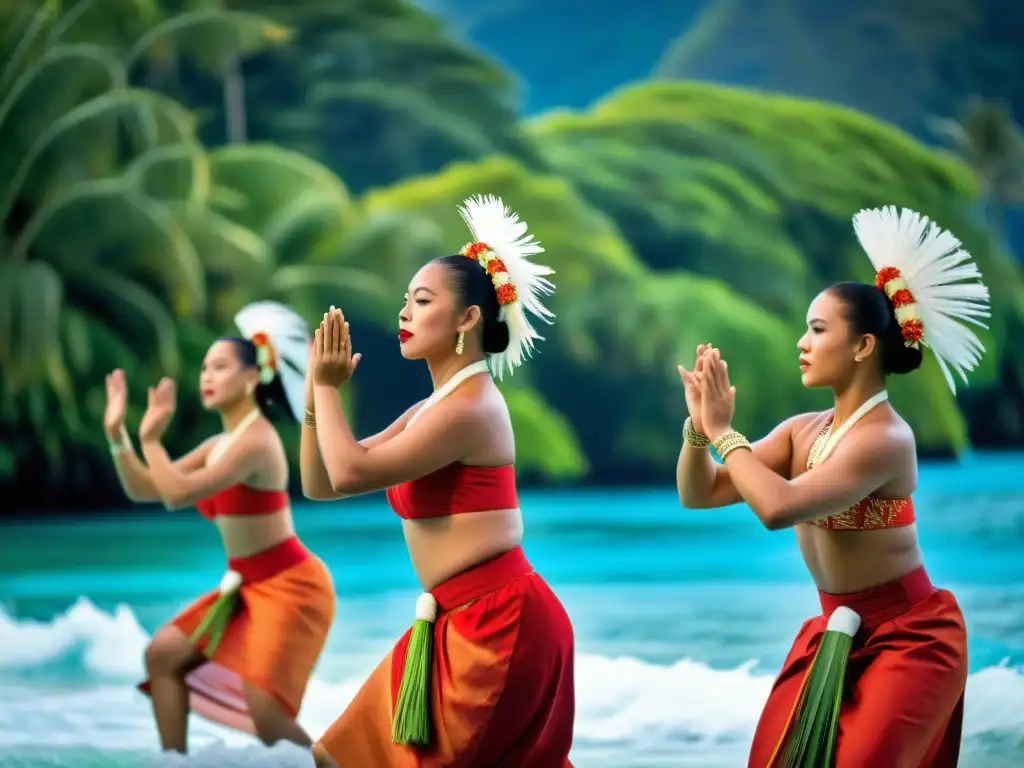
{"x": 240, "y": 656}
{"x": 878, "y": 679}
{"x": 485, "y": 675}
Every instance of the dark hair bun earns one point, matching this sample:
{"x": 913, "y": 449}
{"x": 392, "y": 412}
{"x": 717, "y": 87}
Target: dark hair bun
{"x": 495, "y": 337}
{"x": 869, "y": 311}
{"x": 897, "y": 357}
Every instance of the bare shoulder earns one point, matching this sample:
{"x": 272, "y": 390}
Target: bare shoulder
{"x": 473, "y": 407}
{"x": 890, "y": 428}
{"x": 900, "y": 430}
{"x": 267, "y": 457}
{"x": 478, "y": 408}
{"x": 490, "y": 424}
{"x": 884, "y": 436}
{"x": 493, "y": 404}
{"x": 473, "y": 413}
{"x": 262, "y": 442}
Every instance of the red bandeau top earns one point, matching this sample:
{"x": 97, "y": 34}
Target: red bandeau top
{"x": 871, "y": 514}
{"x": 242, "y": 500}
{"x": 455, "y": 490}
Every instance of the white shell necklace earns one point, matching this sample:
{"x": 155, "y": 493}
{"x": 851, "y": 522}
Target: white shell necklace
{"x": 446, "y": 389}
{"x": 826, "y": 442}
{"x": 222, "y": 445}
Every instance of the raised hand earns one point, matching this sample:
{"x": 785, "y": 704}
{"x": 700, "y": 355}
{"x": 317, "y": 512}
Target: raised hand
{"x": 717, "y": 395}
{"x": 332, "y": 361}
{"x": 691, "y": 387}
{"x": 161, "y": 404}
{"x": 117, "y": 405}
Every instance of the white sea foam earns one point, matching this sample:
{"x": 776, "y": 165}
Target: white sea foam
{"x": 685, "y": 713}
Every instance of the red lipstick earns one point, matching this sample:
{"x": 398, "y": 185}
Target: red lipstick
{"x": 404, "y": 336}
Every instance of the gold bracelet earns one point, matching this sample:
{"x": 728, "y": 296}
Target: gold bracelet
{"x": 692, "y": 436}
{"x": 310, "y": 419}
{"x": 728, "y": 442}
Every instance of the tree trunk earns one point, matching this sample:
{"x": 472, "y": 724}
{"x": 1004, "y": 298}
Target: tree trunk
{"x": 234, "y": 101}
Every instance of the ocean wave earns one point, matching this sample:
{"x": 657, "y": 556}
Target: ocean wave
{"x": 627, "y": 707}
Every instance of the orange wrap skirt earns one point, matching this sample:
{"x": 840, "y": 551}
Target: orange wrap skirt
{"x": 903, "y": 698}
{"x": 272, "y": 642}
{"x": 502, "y": 686}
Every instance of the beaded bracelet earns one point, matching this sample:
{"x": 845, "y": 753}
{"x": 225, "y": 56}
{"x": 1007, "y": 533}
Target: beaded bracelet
{"x": 728, "y": 442}
{"x": 692, "y": 436}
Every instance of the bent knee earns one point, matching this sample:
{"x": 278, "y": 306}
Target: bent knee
{"x": 170, "y": 654}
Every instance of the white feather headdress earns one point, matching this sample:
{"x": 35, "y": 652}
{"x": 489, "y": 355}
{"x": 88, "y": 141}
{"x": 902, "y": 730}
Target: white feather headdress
{"x": 502, "y": 246}
{"x": 289, "y": 341}
{"x": 933, "y": 284}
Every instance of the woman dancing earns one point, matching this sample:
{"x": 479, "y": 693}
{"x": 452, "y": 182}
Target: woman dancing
{"x": 240, "y": 656}
{"x": 485, "y": 675}
{"x": 878, "y": 679}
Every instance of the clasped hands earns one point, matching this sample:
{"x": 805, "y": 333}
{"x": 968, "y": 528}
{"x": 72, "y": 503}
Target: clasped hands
{"x": 710, "y": 397}
{"x": 331, "y": 362}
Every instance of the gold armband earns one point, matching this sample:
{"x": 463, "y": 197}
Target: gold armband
{"x": 310, "y": 419}
{"x": 692, "y": 436}
{"x": 728, "y": 442}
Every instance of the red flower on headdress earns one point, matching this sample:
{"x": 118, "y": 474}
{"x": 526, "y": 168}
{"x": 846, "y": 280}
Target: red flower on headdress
{"x": 913, "y": 331}
{"x": 891, "y": 281}
{"x": 507, "y": 294}
{"x": 885, "y": 274}
{"x": 473, "y": 250}
{"x": 494, "y": 266}
{"x": 262, "y": 341}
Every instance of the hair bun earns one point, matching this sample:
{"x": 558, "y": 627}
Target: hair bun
{"x": 897, "y": 357}
{"x": 495, "y": 337}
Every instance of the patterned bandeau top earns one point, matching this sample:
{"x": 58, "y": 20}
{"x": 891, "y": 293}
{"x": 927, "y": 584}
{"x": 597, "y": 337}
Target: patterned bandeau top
{"x": 870, "y": 514}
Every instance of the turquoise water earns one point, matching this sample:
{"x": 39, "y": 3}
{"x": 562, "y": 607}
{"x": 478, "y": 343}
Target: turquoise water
{"x": 681, "y": 619}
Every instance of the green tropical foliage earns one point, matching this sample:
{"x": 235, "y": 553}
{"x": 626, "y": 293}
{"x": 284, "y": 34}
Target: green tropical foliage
{"x": 164, "y": 163}
{"x": 375, "y": 89}
{"x": 709, "y": 180}
{"x": 114, "y": 229}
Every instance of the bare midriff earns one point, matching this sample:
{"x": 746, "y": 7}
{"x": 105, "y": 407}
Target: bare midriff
{"x": 841, "y": 562}
{"x": 441, "y": 547}
{"x": 245, "y": 535}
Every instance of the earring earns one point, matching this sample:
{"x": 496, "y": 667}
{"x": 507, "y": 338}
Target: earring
{"x": 857, "y": 359}
{"x": 459, "y": 343}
